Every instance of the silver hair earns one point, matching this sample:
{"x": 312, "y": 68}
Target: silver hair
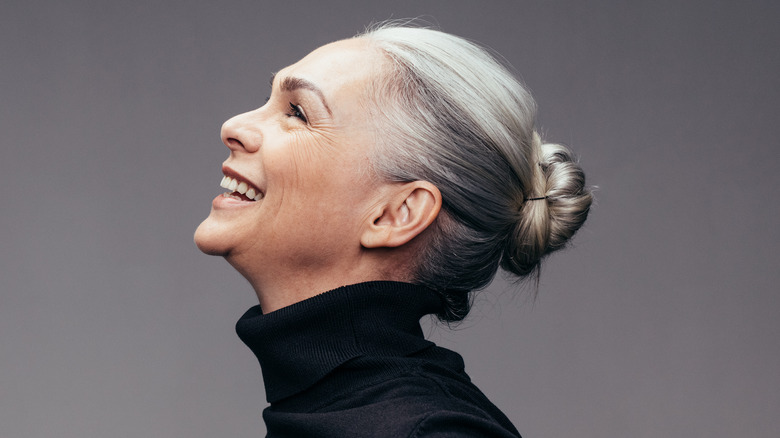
{"x": 451, "y": 114}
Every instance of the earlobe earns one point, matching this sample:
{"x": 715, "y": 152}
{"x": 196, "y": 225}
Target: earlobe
{"x": 407, "y": 212}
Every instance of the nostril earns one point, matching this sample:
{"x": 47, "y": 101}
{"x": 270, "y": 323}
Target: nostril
{"x": 234, "y": 143}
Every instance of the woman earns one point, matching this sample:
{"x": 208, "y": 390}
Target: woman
{"x": 387, "y": 177}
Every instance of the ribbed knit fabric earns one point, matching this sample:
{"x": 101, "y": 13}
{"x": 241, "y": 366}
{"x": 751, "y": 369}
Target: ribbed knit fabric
{"x": 353, "y": 362}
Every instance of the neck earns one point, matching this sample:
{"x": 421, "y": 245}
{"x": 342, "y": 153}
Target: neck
{"x": 278, "y": 287}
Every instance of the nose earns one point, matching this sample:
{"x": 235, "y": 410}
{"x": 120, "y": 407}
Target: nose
{"x": 242, "y": 133}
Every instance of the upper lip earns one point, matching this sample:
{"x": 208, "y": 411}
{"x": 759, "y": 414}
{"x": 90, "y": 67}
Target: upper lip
{"x": 227, "y": 171}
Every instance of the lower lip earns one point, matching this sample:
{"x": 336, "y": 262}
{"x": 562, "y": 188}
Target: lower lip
{"x": 226, "y": 202}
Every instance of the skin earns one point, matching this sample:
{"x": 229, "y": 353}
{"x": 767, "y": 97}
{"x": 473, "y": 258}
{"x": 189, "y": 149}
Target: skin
{"x": 326, "y": 219}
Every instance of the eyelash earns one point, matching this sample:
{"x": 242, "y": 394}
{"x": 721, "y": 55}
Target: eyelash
{"x": 297, "y": 111}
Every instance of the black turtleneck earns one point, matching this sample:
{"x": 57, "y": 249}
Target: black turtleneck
{"x": 353, "y": 362}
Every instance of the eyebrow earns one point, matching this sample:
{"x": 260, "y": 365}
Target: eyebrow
{"x": 290, "y": 84}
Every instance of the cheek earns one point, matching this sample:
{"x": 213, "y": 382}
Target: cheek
{"x": 319, "y": 175}
{"x": 314, "y": 175}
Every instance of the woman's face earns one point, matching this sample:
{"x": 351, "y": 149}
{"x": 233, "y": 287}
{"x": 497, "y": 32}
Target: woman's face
{"x": 304, "y": 157}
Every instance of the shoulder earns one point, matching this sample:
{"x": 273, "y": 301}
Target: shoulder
{"x": 460, "y": 409}
{"x": 458, "y": 424}
{"x": 428, "y": 400}
{"x": 424, "y": 404}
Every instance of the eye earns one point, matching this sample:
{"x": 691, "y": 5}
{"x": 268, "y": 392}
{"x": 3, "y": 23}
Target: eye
{"x": 297, "y": 111}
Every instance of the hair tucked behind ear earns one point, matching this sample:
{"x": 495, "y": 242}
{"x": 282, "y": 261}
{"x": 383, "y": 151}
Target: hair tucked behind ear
{"x": 447, "y": 112}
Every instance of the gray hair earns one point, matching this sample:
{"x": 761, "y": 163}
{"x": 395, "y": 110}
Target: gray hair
{"x": 454, "y": 116}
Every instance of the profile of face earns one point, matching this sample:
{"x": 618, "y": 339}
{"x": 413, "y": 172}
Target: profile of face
{"x": 303, "y": 159}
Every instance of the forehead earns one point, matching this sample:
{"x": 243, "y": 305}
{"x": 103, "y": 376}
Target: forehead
{"x": 347, "y": 64}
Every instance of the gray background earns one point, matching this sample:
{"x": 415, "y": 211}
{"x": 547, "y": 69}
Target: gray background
{"x": 663, "y": 320}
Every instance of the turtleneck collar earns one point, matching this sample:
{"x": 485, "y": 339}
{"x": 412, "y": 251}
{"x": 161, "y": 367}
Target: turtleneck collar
{"x": 300, "y": 344}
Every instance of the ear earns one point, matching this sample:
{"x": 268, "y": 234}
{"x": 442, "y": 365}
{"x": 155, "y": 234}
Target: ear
{"x": 407, "y": 211}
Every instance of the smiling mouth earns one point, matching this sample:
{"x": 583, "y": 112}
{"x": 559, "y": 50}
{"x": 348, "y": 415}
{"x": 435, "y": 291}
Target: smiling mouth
{"x": 240, "y": 190}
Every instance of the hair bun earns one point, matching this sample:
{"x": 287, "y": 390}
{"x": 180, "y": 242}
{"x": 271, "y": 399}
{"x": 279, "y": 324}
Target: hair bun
{"x": 547, "y": 224}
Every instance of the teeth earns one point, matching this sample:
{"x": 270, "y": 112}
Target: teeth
{"x": 234, "y": 185}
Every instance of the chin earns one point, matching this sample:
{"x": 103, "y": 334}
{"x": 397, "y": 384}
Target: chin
{"x": 208, "y": 239}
